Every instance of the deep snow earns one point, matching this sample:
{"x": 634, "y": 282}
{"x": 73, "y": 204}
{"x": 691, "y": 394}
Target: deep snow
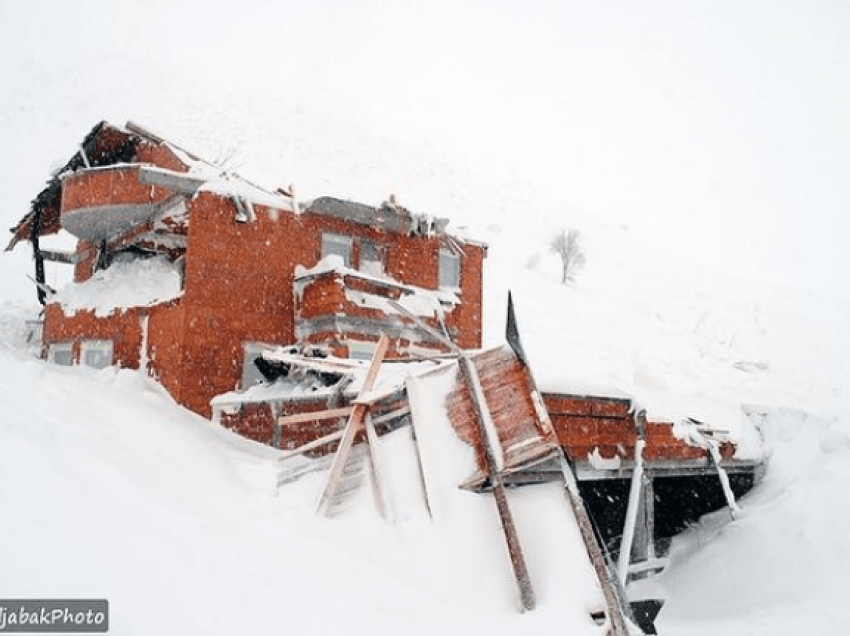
{"x": 701, "y": 151}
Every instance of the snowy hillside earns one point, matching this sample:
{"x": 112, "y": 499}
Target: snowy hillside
{"x": 701, "y": 151}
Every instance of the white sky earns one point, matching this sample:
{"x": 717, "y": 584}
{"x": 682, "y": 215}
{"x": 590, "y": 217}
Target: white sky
{"x": 707, "y": 127}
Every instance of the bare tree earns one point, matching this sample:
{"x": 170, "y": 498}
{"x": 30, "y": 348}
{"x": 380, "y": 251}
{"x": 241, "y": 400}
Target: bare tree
{"x": 567, "y": 245}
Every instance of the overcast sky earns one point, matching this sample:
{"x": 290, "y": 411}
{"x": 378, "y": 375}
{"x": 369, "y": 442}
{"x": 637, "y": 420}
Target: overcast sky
{"x": 709, "y": 126}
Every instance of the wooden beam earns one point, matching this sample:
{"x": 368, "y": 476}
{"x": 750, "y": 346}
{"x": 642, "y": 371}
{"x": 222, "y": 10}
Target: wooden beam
{"x": 355, "y": 420}
{"x": 375, "y": 366}
{"x": 316, "y": 443}
{"x": 614, "y": 594}
{"x": 495, "y": 464}
{"x": 311, "y": 416}
{"x": 487, "y": 428}
{"x": 526, "y": 591}
{"x": 332, "y": 437}
{"x": 377, "y": 481}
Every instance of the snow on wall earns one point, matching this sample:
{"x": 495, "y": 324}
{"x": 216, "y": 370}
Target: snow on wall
{"x": 135, "y": 283}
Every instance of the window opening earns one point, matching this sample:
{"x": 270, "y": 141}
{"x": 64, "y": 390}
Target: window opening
{"x": 60, "y": 353}
{"x": 449, "y": 269}
{"x": 96, "y": 353}
{"x": 339, "y": 245}
{"x": 372, "y": 258}
{"x": 361, "y": 350}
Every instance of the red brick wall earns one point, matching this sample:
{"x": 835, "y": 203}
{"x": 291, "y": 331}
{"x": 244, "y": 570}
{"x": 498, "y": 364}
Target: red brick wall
{"x": 123, "y": 327}
{"x": 239, "y": 284}
{"x": 585, "y": 423}
{"x": 165, "y": 346}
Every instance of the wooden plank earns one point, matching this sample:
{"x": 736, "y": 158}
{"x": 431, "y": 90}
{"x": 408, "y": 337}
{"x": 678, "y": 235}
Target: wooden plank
{"x": 327, "y": 439}
{"x": 526, "y": 592}
{"x": 487, "y": 429}
{"x": 414, "y": 398}
{"x": 311, "y": 416}
{"x": 355, "y": 420}
{"x": 316, "y": 443}
{"x": 377, "y": 359}
{"x": 338, "y": 466}
{"x": 377, "y": 481}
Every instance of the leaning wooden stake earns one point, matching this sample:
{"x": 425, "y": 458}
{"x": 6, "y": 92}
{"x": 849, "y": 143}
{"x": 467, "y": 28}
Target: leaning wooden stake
{"x": 615, "y": 597}
{"x": 493, "y": 459}
{"x": 355, "y": 421}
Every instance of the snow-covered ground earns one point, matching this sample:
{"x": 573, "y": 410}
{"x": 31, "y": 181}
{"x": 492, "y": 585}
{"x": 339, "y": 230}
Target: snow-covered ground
{"x": 702, "y": 152}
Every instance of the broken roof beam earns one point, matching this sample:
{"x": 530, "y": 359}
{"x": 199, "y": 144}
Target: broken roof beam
{"x": 436, "y": 335}
{"x": 63, "y": 256}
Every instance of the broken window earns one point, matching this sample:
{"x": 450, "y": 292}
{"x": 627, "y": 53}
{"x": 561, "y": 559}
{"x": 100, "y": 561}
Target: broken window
{"x": 372, "y": 258}
{"x": 96, "y": 353}
{"x": 61, "y": 353}
{"x": 339, "y": 245}
{"x": 449, "y": 269}
{"x": 250, "y": 373}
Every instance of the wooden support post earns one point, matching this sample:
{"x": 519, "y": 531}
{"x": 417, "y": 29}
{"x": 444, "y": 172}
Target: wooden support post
{"x": 355, "y": 420}
{"x": 647, "y": 527}
{"x": 631, "y": 514}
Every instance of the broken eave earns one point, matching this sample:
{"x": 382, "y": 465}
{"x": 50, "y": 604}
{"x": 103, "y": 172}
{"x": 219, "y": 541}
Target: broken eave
{"x": 104, "y": 145}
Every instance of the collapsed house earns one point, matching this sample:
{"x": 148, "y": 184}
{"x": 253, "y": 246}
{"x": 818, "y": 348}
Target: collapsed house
{"x": 301, "y": 325}
{"x": 237, "y": 257}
